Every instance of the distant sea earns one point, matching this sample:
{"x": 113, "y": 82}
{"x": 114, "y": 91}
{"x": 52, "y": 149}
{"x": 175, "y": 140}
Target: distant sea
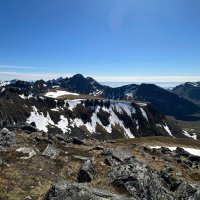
{"x": 166, "y": 85}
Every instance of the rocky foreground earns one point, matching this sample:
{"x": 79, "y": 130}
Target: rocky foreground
{"x": 35, "y": 165}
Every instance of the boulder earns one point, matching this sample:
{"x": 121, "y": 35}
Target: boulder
{"x": 181, "y": 152}
{"x": 2, "y": 149}
{"x": 87, "y": 172}
{"x": 187, "y": 191}
{"x": 7, "y": 138}
{"x": 84, "y": 158}
{"x": 51, "y": 151}
{"x": 106, "y": 152}
{"x": 78, "y": 141}
{"x": 194, "y": 158}
{"x": 170, "y": 181}
{"x": 111, "y": 161}
{"x": 29, "y": 128}
{"x": 78, "y": 191}
{"x": 27, "y": 150}
{"x": 165, "y": 150}
{"x": 138, "y": 180}
{"x": 121, "y": 154}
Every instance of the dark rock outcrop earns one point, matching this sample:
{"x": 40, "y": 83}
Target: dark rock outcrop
{"x": 188, "y": 192}
{"x": 87, "y": 172}
{"x": 7, "y": 138}
{"x": 181, "y": 152}
{"x": 78, "y": 141}
{"x": 29, "y": 128}
{"x": 77, "y": 191}
{"x": 51, "y": 151}
{"x": 138, "y": 180}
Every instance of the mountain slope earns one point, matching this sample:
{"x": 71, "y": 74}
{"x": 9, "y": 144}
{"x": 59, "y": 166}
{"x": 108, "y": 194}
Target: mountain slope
{"x": 85, "y": 118}
{"x": 165, "y": 101}
{"x": 189, "y": 91}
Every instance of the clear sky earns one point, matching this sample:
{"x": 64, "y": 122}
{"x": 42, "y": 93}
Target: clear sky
{"x": 111, "y": 40}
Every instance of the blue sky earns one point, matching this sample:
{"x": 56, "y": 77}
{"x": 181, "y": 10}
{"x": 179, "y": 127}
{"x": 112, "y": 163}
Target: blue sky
{"x": 111, "y": 40}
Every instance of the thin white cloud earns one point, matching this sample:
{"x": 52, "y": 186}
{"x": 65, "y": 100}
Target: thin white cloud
{"x": 17, "y": 67}
{"x": 8, "y": 75}
{"x": 147, "y": 79}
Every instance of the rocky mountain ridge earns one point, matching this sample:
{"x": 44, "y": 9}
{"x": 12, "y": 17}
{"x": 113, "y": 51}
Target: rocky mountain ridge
{"x": 189, "y": 90}
{"x": 167, "y": 102}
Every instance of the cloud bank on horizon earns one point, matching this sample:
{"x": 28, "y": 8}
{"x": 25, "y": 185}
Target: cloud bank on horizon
{"x": 32, "y": 74}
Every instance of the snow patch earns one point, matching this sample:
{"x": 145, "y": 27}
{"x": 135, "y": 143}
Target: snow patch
{"x": 194, "y": 135}
{"x": 144, "y": 114}
{"x": 168, "y": 130}
{"x": 29, "y": 151}
{"x": 40, "y": 120}
{"x": 63, "y": 124}
{"x": 59, "y": 93}
{"x": 192, "y": 151}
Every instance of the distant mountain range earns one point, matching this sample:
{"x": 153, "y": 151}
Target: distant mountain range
{"x": 190, "y": 91}
{"x": 179, "y": 102}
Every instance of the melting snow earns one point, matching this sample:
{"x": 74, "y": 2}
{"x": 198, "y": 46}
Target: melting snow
{"x": 26, "y": 97}
{"x": 40, "y": 120}
{"x": 194, "y": 136}
{"x": 73, "y": 103}
{"x": 193, "y": 151}
{"x": 124, "y": 107}
{"x": 63, "y": 124}
{"x": 167, "y": 129}
{"x": 29, "y": 151}
{"x": 144, "y": 114}
{"x": 59, "y": 93}
{"x": 4, "y": 83}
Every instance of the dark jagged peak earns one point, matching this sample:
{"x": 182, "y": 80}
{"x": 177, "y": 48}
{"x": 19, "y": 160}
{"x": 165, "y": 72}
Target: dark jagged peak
{"x": 166, "y": 101}
{"x": 189, "y": 90}
{"x": 78, "y": 83}
{"x": 20, "y": 84}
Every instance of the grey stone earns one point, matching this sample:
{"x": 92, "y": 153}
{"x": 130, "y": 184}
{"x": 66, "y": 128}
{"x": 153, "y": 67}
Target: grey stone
{"x": 111, "y": 161}
{"x": 181, "y": 152}
{"x": 82, "y": 158}
{"x": 194, "y": 158}
{"x": 7, "y": 138}
{"x": 51, "y": 151}
{"x": 121, "y": 153}
{"x": 2, "y": 149}
{"x": 187, "y": 191}
{"x": 170, "y": 181}
{"x": 78, "y": 141}
{"x": 78, "y": 191}
{"x": 165, "y": 150}
{"x": 87, "y": 172}
{"x": 139, "y": 181}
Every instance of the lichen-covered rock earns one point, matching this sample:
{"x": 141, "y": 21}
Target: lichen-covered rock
{"x": 87, "y": 172}
{"x": 7, "y": 138}
{"x": 78, "y": 191}
{"x": 139, "y": 181}
{"x": 120, "y": 154}
{"x": 51, "y": 151}
{"x": 111, "y": 161}
{"x": 188, "y": 192}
